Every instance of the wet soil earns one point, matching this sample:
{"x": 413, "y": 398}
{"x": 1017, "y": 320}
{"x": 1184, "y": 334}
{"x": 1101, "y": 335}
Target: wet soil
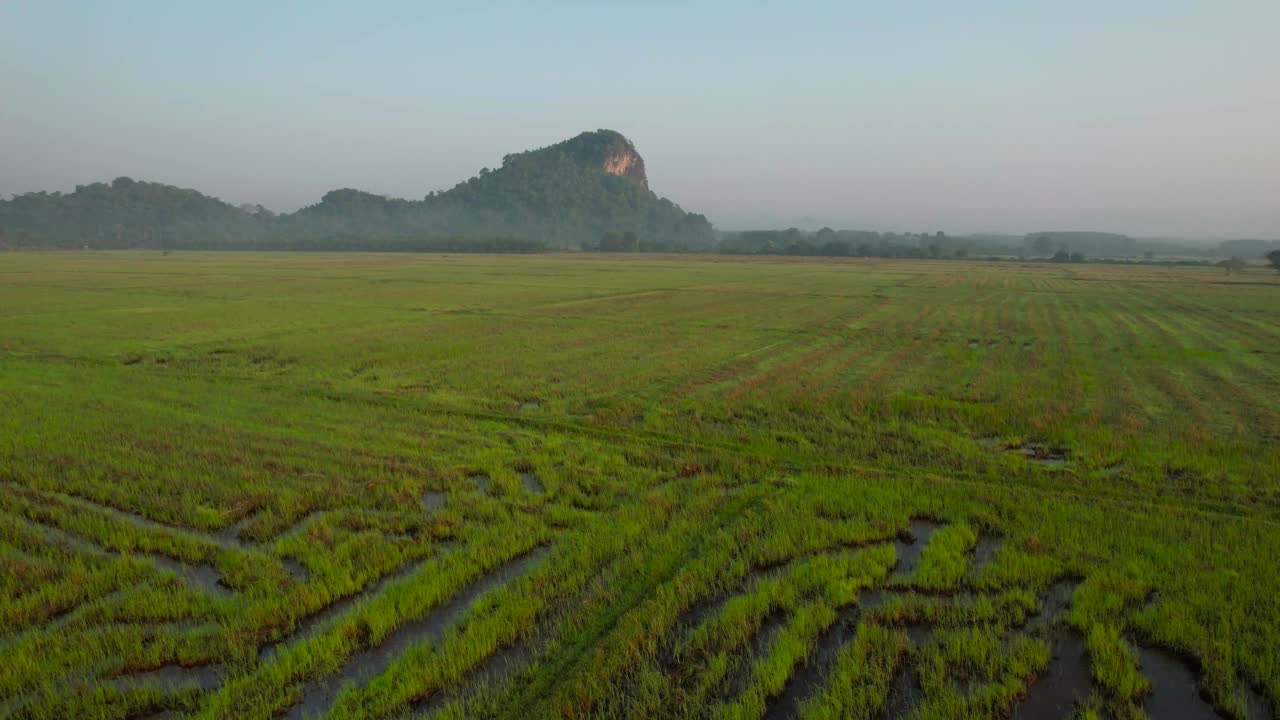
{"x": 808, "y": 677}
{"x": 739, "y": 676}
{"x": 904, "y": 694}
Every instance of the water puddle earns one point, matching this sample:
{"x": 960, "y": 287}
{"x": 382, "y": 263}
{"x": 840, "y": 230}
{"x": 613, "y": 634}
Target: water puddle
{"x": 985, "y": 551}
{"x": 1034, "y": 452}
{"x": 172, "y": 677}
{"x": 1067, "y": 680}
{"x": 319, "y": 695}
{"x": 873, "y": 599}
{"x": 1056, "y": 600}
{"x": 918, "y": 634}
{"x": 201, "y": 577}
{"x": 1042, "y": 454}
{"x": 295, "y": 569}
{"x": 1174, "y": 692}
{"x": 230, "y": 535}
{"x": 531, "y": 483}
{"x": 434, "y": 501}
{"x": 1256, "y": 705}
{"x": 910, "y": 545}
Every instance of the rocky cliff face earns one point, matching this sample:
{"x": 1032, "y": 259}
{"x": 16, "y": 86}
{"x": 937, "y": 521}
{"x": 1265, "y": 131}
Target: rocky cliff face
{"x": 607, "y": 150}
{"x": 627, "y": 163}
{"x": 619, "y": 164}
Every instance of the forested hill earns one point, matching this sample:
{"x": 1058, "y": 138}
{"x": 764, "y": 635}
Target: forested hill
{"x": 568, "y": 195}
{"x": 125, "y": 213}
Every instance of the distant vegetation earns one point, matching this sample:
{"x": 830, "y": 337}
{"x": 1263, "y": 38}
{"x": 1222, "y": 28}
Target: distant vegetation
{"x": 587, "y": 193}
{"x": 564, "y": 196}
{"x": 1056, "y": 246}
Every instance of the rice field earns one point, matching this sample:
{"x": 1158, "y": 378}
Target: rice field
{"x": 570, "y": 486}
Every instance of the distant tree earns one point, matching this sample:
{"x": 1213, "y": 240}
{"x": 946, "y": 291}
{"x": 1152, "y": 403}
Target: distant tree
{"x": 836, "y": 248}
{"x": 1234, "y": 264}
{"x": 614, "y": 241}
{"x": 1062, "y": 256}
{"x": 802, "y": 247}
{"x": 962, "y": 252}
{"x": 1273, "y": 257}
{"x": 611, "y": 241}
{"x": 1077, "y": 257}
{"x": 1042, "y": 244}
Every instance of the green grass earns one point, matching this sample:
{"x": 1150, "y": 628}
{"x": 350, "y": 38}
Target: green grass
{"x": 727, "y": 449}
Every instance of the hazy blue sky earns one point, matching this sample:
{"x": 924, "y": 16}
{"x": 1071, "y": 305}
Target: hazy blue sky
{"x": 1143, "y": 116}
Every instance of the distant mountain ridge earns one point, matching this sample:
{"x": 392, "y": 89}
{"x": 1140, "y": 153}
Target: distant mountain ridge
{"x": 566, "y": 195}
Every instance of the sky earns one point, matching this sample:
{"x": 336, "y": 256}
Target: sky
{"x": 1149, "y": 117}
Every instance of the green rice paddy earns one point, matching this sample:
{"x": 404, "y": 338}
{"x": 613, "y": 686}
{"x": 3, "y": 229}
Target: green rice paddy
{"x": 571, "y": 486}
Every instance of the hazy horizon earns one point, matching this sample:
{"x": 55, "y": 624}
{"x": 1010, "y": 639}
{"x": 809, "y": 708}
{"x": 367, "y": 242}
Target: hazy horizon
{"x": 1152, "y": 119}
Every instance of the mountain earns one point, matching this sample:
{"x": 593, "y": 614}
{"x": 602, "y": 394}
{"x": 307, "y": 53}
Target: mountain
{"x": 567, "y": 195}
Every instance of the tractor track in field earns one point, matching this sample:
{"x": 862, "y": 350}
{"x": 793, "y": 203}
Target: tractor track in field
{"x": 320, "y": 694}
{"x": 203, "y": 575}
